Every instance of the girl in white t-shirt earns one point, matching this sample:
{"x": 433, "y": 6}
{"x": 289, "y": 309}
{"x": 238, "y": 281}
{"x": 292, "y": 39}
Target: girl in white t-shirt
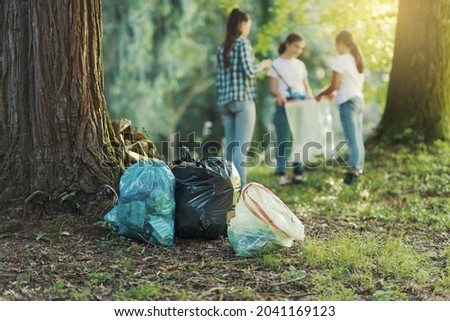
{"x": 288, "y": 79}
{"x": 347, "y": 80}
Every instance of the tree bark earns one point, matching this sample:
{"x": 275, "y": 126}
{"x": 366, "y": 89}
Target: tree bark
{"x": 60, "y": 140}
{"x": 418, "y": 101}
{"x": 2, "y": 106}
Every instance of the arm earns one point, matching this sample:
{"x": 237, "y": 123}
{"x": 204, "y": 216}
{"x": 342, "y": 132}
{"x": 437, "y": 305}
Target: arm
{"x": 218, "y": 83}
{"x": 309, "y": 93}
{"x": 280, "y": 99}
{"x": 335, "y": 83}
{"x": 248, "y": 60}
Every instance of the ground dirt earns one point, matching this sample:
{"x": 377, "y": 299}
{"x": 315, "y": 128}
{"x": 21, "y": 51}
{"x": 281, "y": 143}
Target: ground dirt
{"x": 70, "y": 257}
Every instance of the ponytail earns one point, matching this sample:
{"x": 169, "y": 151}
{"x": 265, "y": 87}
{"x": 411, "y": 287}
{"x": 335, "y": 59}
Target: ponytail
{"x": 358, "y": 58}
{"x": 293, "y": 37}
{"x": 282, "y": 48}
{"x": 233, "y": 32}
{"x": 347, "y": 39}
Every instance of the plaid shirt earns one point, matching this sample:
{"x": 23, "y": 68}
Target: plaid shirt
{"x": 237, "y": 82}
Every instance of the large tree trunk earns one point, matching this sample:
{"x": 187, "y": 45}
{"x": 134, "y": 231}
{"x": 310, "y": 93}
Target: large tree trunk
{"x": 59, "y": 136}
{"x": 418, "y": 101}
{"x": 2, "y": 106}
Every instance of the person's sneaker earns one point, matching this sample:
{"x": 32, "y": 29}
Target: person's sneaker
{"x": 282, "y": 180}
{"x": 349, "y": 178}
{"x": 297, "y": 179}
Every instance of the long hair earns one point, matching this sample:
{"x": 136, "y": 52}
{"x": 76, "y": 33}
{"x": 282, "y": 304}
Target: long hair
{"x": 234, "y": 21}
{"x": 347, "y": 39}
{"x": 292, "y": 37}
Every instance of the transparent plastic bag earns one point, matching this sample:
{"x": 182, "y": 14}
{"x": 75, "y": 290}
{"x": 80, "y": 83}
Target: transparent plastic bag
{"x": 262, "y": 223}
{"x": 146, "y": 207}
{"x": 309, "y": 122}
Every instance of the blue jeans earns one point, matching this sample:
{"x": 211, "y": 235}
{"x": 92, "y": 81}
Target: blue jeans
{"x": 284, "y": 142}
{"x": 238, "y": 119}
{"x": 351, "y": 114}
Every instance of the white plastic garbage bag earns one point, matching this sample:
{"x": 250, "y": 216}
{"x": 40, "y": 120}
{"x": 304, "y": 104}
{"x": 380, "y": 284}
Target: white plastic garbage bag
{"x": 262, "y": 223}
{"x": 309, "y": 121}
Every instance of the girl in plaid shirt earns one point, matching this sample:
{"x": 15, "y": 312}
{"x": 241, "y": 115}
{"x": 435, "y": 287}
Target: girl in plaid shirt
{"x": 235, "y": 89}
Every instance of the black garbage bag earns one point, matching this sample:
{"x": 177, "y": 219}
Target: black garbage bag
{"x": 206, "y": 193}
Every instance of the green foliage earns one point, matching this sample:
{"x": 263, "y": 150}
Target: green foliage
{"x": 152, "y": 60}
{"x": 293, "y": 274}
{"x": 271, "y": 261}
{"x": 284, "y": 15}
{"x": 97, "y": 277}
{"x": 59, "y": 285}
{"x": 389, "y": 294}
{"x": 372, "y": 24}
{"x": 40, "y": 236}
{"x": 145, "y": 292}
{"x": 328, "y": 289}
{"x": 244, "y": 293}
{"x": 443, "y": 285}
{"x": 65, "y": 196}
{"x": 228, "y": 5}
{"x": 363, "y": 260}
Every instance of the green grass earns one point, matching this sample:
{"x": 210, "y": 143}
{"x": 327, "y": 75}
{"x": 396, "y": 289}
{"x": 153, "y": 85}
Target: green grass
{"x": 362, "y": 262}
{"x": 371, "y": 236}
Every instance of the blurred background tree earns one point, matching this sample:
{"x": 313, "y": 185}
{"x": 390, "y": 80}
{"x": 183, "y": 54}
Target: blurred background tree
{"x": 160, "y": 57}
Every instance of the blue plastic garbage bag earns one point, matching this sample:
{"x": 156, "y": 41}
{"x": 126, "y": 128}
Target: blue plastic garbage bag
{"x": 146, "y": 207}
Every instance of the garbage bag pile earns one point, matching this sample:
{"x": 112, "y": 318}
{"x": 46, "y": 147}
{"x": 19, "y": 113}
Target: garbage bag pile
{"x": 201, "y": 199}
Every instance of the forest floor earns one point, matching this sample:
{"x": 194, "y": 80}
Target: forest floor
{"x": 385, "y": 237}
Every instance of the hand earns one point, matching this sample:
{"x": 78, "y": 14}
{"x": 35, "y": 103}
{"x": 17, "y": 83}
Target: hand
{"x": 280, "y": 100}
{"x": 320, "y": 96}
{"x": 266, "y": 63}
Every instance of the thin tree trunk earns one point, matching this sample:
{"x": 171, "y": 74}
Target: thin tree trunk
{"x": 60, "y": 138}
{"x": 418, "y": 101}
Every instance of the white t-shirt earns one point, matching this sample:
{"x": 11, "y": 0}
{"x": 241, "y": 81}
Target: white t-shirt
{"x": 351, "y": 79}
{"x": 293, "y": 72}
